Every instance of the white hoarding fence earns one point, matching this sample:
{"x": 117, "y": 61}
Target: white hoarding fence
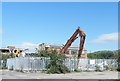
{"x": 41, "y": 63}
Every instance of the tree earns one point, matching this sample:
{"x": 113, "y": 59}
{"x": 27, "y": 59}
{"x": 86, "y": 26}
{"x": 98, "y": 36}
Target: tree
{"x": 103, "y": 55}
{"x": 43, "y": 53}
{"x": 56, "y": 64}
{"x": 4, "y": 57}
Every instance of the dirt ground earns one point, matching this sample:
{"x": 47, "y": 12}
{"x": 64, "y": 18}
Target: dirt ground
{"x": 6, "y": 74}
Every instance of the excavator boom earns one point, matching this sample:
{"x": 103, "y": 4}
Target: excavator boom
{"x": 74, "y": 37}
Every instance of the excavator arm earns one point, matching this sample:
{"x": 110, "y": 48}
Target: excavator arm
{"x": 74, "y": 37}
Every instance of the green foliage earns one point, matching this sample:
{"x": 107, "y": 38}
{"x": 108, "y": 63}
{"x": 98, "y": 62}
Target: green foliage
{"x": 113, "y": 69}
{"x": 4, "y": 67}
{"x": 103, "y": 55}
{"x": 118, "y": 60}
{"x": 5, "y": 56}
{"x": 43, "y": 53}
{"x": 11, "y": 68}
{"x": 88, "y": 71}
{"x": 18, "y": 70}
{"x": 76, "y": 70}
{"x": 107, "y": 55}
{"x": 56, "y": 63}
{"x": 97, "y": 69}
{"x": 107, "y": 68}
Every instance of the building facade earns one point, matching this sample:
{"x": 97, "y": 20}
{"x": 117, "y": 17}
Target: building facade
{"x": 71, "y": 52}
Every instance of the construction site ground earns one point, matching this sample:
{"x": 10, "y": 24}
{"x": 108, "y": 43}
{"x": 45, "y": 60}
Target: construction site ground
{"x": 6, "y": 74}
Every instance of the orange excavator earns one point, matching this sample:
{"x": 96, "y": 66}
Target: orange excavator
{"x": 74, "y": 37}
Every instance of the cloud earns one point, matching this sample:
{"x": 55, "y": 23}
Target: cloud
{"x": 27, "y": 45}
{"x": 106, "y": 38}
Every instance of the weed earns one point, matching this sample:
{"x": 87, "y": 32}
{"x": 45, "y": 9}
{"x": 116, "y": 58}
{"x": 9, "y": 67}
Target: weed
{"x": 11, "y": 68}
{"x": 4, "y": 68}
{"x": 76, "y": 70}
{"x": 98, "y": 69}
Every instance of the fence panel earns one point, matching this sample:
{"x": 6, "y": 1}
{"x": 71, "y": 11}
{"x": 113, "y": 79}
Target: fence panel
{"x": 41, "y": 63}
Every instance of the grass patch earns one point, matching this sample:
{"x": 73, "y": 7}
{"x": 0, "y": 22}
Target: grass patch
{"x": 76, "y": 70}
{"x": 3, "y": 67}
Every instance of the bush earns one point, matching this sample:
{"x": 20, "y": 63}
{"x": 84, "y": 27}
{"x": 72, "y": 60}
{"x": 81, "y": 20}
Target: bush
{"x": 56, "y": 64}
{"x": 76, "y": 70}
{"x": 107, "y": 68}
{"x": 5, "y": 56}
{"x": 4, "y": 68}
{"x": 97, "y": 69}
{"x": 118, "y": 60}
{"x": 113, "y": 69}
{"x": 43, "y": 53}
{"x": 11, "y": 68}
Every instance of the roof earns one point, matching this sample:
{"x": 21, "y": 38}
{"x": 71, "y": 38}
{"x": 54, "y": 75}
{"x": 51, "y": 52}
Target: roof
{"x": 10, "y": 48}
{"x": 4, "y": 48}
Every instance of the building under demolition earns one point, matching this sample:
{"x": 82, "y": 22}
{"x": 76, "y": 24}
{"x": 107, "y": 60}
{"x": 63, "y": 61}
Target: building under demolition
{"x": 71, "y": 52}
{"x": 12, "y": 50}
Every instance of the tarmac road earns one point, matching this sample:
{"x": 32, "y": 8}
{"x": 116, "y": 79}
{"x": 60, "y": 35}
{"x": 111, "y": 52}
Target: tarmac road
{"x": 6, "y": 74}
